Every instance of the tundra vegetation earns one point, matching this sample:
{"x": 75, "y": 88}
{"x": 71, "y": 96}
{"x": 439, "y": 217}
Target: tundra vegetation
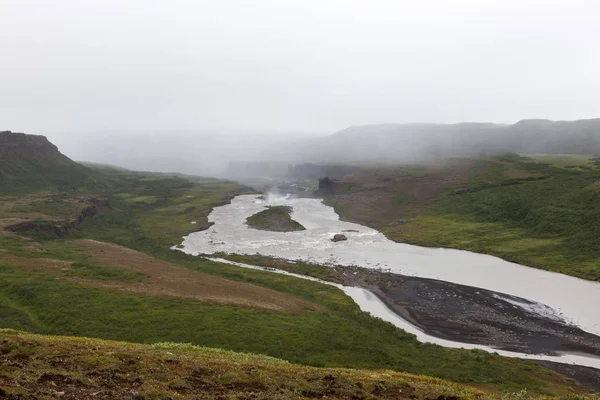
{"x": 105, "y": 279}
{"x": 85, "y": 368}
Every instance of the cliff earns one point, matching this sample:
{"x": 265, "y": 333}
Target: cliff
{"x": 31, "y": 162}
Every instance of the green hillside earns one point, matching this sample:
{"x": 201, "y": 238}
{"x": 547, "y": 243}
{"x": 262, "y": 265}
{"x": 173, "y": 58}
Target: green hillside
{"x": 114, "y": 276}
{"x": 537, "y": 210}
{"x": 31, "y": 162}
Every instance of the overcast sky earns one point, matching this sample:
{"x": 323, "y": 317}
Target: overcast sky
{"x": 314, "y": 65}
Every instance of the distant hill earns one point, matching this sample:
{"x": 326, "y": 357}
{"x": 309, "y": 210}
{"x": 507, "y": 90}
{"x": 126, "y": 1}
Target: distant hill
{"x": 31, "y": 162}
{"x": 417, "y": 142}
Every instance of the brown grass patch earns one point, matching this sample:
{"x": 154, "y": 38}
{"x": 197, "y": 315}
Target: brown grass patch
{"x": 165, "y": 279}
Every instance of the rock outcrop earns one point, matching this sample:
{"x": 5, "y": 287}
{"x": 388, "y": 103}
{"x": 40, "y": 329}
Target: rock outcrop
{"x": 61, "y": 228}
{"x": 326, "y": 186}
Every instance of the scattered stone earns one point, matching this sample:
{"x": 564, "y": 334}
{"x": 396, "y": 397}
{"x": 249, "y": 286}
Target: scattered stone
{"x": 338, "y": 237}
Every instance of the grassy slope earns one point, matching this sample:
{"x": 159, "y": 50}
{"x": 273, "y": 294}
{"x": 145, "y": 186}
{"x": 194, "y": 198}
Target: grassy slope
{"x": 150, "y": 215}
{"x": 274, "y": 218}
{"x": 546, "y": 220}
{"x": 55, "y": 367}
{"x": 31, "y": 162}
{"x": 549, "y": 223}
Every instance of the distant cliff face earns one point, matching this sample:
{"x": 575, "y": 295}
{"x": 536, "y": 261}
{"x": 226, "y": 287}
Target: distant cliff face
{"x": 30, "y": 162}
{"x": 19, "y": 144}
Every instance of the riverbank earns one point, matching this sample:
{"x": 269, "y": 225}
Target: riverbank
{"x": 512, "y": 207}
{"x": 462, "y": 313}
{"x": 455, "y": 312}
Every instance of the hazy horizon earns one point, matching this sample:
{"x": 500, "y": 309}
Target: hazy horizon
{"x": 304, "y": 66}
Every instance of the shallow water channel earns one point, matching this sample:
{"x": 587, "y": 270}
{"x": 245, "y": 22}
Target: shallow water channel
{"x": 558, "y": 295}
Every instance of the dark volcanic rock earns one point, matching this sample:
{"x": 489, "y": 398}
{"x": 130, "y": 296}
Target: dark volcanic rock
{"x": 338, "y": 237}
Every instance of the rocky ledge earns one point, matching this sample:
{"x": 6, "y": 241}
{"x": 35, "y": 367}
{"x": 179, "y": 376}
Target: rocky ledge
{"x": 61, "y": 228}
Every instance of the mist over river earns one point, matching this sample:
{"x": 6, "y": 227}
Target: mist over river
{"x": 560, "y": 296}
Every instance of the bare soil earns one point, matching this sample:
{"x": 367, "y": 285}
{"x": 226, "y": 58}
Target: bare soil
{"x": 165, "y": 279}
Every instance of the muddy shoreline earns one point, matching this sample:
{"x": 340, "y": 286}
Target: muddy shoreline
{"x": 473, "y": 315}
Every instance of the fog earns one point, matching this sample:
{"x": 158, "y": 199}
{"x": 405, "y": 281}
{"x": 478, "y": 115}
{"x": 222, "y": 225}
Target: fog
{"x": 198, "y": 152}
{"x": 189, "y": 85}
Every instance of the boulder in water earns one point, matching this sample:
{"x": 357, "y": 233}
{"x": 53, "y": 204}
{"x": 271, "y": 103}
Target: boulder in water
{"x": 338, "y": 237}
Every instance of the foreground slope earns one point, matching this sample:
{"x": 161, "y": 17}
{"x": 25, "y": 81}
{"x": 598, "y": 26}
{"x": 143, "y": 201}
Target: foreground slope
{"x": 52, "y": 367}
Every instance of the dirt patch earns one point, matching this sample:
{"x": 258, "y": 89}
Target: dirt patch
{"x": 165, "y": 279}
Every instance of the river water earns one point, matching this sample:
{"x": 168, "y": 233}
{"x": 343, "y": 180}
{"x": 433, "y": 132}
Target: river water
{"x": 571, "y": 298}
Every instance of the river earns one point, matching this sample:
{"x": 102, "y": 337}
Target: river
{"x": 571, "y": 298}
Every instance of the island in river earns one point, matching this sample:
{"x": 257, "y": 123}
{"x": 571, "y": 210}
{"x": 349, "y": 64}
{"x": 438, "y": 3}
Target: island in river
{"x": 275, "y": 219}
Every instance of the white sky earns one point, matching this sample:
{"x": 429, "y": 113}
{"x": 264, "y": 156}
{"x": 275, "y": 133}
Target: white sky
{"x": 82, "y": 65}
